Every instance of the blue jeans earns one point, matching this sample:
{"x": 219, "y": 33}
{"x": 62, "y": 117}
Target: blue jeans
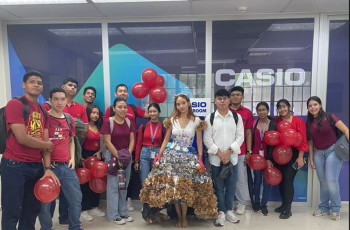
{"x": 116, "y": 199}
{"x": 328, "y": 166}
{"x": 224, "y": 188}
{"x": 71, "y": 189}
{"x": 19, "y": 205}
{"x": 258, "y": 179}
{"x": 62, "y": 208}
{"x": 146, "y": 162}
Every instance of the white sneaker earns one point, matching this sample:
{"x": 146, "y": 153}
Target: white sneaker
{"x": 127, "y": 218}
{"x": 97, "y": 212}
{"x": 240, "y": 209}
{"x": 231, "y": 217}
{"x": 86, "y": 216}
{"x": 318, "y": 213}
{"x": 335, "y": 216}
{"x": 129, "y": 205}
{"x": 220, "y": 220}
{"x": 118, "y": 220}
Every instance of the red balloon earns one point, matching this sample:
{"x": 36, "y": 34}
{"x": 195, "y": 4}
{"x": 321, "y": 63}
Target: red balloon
{"x": 83, "y": 174}
{"x": 289, "y": 137}
{"x": 283, "y": 125}
{"x": 272, "y": 138}
{"x": 98, "y": 185}
{"x": 90, "y": 161}
{"x": 99, "y": 169}
{"x": 160, "y": 81}
{"x": 158, "y": 94}
{"x": 272, "y": 176}
{"x": 299, "y": 140}
{"x": 282, "y": 154}
{"x": 257, "y": 162}
{"x": 46, "y": 190}
{"x": 139, "y": 90}
{"x": 149, "y": 77}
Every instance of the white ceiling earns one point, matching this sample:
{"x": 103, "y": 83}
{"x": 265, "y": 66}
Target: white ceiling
{"x": 191, "y": 8}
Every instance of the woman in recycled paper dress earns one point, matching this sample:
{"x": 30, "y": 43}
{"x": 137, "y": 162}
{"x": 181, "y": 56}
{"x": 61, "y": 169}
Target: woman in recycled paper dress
{"x": 179, "y": 175}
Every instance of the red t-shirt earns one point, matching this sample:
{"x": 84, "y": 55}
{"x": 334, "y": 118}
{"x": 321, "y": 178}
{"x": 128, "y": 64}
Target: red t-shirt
{"x": 120, "y": 136}
{"x": 247, "y": 118}
{"x": 35, "y": 125}
{"x": 298, "y": 125}
{"x": 324, "y": 136}
{"x": 75, "y": 109}
{"x": 59, "y": 135}
{"x": 258, "y": 143}
{"x": 92, "y": 141}
{"x": 146, "y": 140}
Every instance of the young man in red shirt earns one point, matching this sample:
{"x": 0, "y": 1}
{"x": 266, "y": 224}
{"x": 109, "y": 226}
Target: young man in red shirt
{"x": 121, "y": 91}
{"x": 23, "y": 159}
{"x": 62, "y": 161}
{"x": 242, "y": 192}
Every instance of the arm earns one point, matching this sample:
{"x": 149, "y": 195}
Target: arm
{"x": 71, "y": 163}
{"x": 109, "y": 145}
{"x": 208, "y": 138}
{"x": 165, "y": 142}
{"x": 342, "y": 127}
{"x": 311, "y": 154}
{"x": 138, "y": 148}
{"x": 146, "y": 115}
{"x": 248, "y": 142}
{"x": 132, "y": 142}
{"x": 47, "y": 161}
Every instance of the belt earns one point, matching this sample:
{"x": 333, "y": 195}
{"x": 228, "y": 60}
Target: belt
{"x": 58, "y": 163}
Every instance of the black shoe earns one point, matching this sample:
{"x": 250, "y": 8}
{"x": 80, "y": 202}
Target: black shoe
{"x": 264, "y": 210}
{"x": 64, "y": 222}
{"x": 256, "y": 207}
{"x": 285, "y": 214}
{"x": 280, "y": 209}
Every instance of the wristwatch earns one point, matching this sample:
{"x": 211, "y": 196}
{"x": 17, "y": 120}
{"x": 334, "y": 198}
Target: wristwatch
{"x": 49, "y": 167}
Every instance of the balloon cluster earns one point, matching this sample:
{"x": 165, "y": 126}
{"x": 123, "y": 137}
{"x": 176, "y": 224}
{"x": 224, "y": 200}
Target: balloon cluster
{"x": 94, "y": 172}
{"x": 152, "y": 84}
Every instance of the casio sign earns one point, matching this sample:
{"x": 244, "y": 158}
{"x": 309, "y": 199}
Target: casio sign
{"x": 199, "y": 107}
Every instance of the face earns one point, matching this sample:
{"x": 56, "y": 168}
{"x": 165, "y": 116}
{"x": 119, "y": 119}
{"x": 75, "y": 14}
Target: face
{"x": 58, "y": 101}
{"x": 222, "y": 102}
{"x": 70, "y": 88}
{"x": 182, "y": 105}
{"x": 283, "y": 109}
{"x": 89, "y": 96}
{"x": 153, "y": 113}
{"x": 314, "y": 107}
{"x": 94, "y": 115}
{"x": 33, "y": 86}
{"x": 236, "y": 97}
{"x": 120, "y": 108}
{"x": 262, "y": 111}
{"x": 122, "y": 92}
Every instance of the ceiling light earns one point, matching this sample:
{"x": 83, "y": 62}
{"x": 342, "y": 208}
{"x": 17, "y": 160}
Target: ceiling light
{"x": 291, "y": 26}
{"x": 38, "y": 2}
{"x": 83, "y": 31}
{"x": 218, "y": 61}
{"x": 258, "y": 54}
{"x": 278, "y": 49}
{"x": 157, "y": 30}
{"x": 139, "y": 1}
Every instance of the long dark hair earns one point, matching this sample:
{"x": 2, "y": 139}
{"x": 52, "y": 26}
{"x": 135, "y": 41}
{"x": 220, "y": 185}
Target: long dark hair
{"x": 89, "y": 109}
{"x": 310, "y": 117}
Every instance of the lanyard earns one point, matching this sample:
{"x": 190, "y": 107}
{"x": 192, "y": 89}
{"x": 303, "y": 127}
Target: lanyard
{"x": 153, "y": 135}
{"x": 262, "y": 132}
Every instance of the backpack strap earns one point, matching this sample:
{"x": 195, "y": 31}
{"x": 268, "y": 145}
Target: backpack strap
{"x": 68, "y": 118}
{"x": 48, "y": 103}
{"x": 133, "y": 107}
{"x": 212, "y": 118}
{"x": 235, "y": 116}
{"x": 331, "y": 122}
{"x": 127, "y": 122}
{"x": 111, "y": 124}
{"x": 26, "y": 108}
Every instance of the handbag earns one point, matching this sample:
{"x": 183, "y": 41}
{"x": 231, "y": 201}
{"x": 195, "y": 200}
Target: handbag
{"x": 341, "y": 148}
{"x": 226, "y": 170}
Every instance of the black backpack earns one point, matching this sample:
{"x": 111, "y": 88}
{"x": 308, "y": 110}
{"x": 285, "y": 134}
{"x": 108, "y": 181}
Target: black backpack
{"x": 133, "y": 107}
{"x": 77, "y": 149}
{"x": 235, "y": 116}
{"x": 3, "y": 132}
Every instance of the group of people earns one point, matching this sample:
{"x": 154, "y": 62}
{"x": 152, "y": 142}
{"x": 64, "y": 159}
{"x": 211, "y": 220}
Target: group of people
{"x": 172, "y": 171}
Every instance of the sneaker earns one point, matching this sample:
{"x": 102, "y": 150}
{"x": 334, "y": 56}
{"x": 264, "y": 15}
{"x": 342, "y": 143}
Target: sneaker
{"x": 86, "y": 216}
{"x": 220, "y": 220}
{"x": 264, "y": 210}
{"x": 97, "y": 212}
{"x": 240, "y": 209}
{"x": 285, "y": 214}
{"x": 318, "y": 213}
{"x": 335, "y": 216}
{"x": 129, "y": 205}
{"x": 231, "y": 217}
{"x": 256, "y": 207}
{"x": 118, "y": 221}
{"x": 64, "y": 222}
{"x": 280, "y": 209}
{"x": 127, "y": 218}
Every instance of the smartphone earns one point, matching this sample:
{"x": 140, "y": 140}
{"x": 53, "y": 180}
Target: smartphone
{"x": 295, "y": 165}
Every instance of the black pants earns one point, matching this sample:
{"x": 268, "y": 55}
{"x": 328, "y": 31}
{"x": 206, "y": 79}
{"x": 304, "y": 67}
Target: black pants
{"x": 286, "y": 186}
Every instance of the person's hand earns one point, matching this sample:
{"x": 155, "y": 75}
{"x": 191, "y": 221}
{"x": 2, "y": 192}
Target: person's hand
{"x": 50, "y": 173}
{"x": 269, "y": 164}
{"x": 156, "y": 159}
{"x": 49, "y": 146}
{"x": 312, "y": 164}
{"x": 201, "y": 167}
{"x": 300, "y": 162}
{"x": 136, "y": 166}
{"x": 98, "y": 155}
{"x": 71, "y": 163}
